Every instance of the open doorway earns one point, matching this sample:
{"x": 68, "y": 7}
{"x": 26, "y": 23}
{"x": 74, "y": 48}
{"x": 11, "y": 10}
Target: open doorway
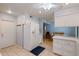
{"x": 47, "y": 38}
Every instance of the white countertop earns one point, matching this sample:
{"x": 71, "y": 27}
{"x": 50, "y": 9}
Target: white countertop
{"x": 66, "y": 38}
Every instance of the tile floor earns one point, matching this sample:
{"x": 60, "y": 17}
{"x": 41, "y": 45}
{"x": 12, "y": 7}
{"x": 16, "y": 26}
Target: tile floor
{"x": 16, "y": 50}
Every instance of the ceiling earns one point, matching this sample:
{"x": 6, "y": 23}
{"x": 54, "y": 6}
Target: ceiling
{"x": 30, "y": 8}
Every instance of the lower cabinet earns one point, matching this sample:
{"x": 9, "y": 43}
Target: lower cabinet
{"x": 64, "y": 47}
{"x": 78, "y": 49}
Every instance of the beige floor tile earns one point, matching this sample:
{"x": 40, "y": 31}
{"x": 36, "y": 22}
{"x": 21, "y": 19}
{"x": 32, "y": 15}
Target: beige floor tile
{"x": 18, "y": 51}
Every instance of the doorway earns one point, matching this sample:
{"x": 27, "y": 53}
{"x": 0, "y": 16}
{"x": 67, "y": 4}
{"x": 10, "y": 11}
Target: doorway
{"x": 47, "y": 40}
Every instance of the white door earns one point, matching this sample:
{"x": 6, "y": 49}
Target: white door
{"x": 20, "y": 34}
{"x": 33, "y": 34}
{"x": 7, "y": 33}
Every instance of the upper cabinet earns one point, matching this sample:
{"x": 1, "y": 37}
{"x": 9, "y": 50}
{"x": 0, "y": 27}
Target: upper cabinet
{"x": 67, "y": 16}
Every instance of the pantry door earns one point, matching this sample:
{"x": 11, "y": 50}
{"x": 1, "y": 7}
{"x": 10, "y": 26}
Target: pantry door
{"x": 7, "y": 33}
{"x": 20, "y": 34}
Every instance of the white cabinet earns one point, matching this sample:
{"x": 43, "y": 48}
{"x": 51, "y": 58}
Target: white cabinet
{"x": 78, "y": 49}
{"x": 7, "y": 33}
{"x": 67, "y": 20}
{"x": 64, "y": 46}
{"x": 20, "y": 34}
{"x": 67, "y": 17}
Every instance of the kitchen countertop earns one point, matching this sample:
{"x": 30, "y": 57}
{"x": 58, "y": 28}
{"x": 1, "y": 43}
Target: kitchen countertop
{"x": 66, "y": 38}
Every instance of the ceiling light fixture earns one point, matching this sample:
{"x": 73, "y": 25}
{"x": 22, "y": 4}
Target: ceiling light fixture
{"x": 9, "y": 11}
{"x": 39, "y": 11}
{"x": 66, "y": 3}
{"x": 47, "y": 6}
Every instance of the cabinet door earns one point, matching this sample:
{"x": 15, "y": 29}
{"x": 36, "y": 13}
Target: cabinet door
{"x": 20, "y": 34}
{"x": 77, "y": 49}
{"x": 27, "y": 36}
{"x": 64, "y": 47}
{"x": 8, "y": 33}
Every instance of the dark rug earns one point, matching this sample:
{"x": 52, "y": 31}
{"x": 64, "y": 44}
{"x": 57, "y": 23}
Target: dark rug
{"x": 36, "y": 51}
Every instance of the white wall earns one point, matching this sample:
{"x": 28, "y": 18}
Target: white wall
{"x": 67, "y": 17}
{"x": 7, "y": 17}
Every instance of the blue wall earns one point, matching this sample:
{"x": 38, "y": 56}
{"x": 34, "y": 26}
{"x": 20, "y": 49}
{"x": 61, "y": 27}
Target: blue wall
{"x": 68, "y": 31}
